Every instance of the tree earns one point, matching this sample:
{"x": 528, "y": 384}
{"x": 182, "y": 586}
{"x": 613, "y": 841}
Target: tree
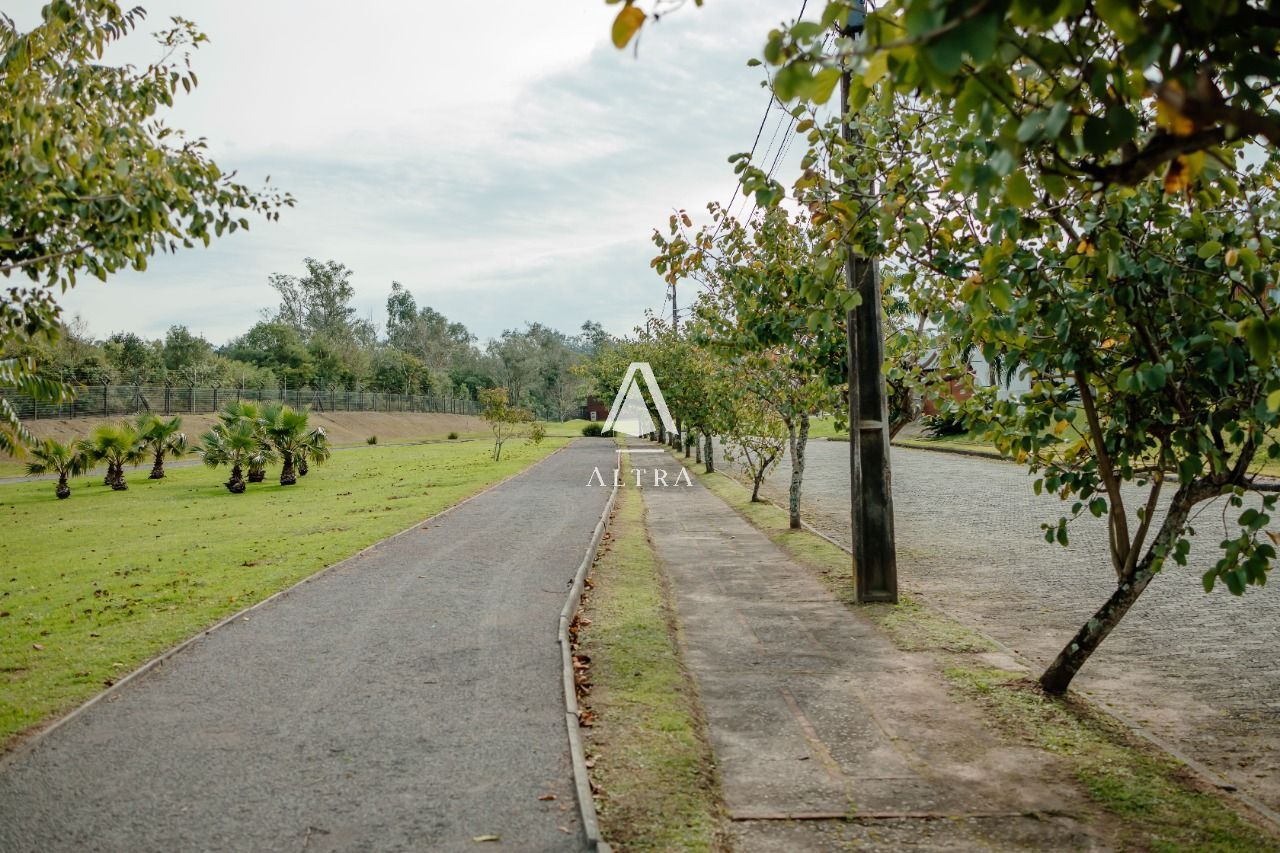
{"x": 318, "y": 303}
{"x": 184, "y": 352}
{"x": 263, "y": 454}
{"x": 54, "y": 457}
{"x": 277, "y": 347}
{"x": 233, "y": 445}
{"x": 117, "y": 446}
{"x": 1058, "y": 84}
{"x": 755, "y": 438}
{"x": 160, "y": 437}
{"x": 505, "y": 420}
{"x": 132, "y": 359}
{"x": 286, "y": 429}
{"x": 91, "y": 178}
{"x": 314, "y": 448}
{"x": 759, "y": 310}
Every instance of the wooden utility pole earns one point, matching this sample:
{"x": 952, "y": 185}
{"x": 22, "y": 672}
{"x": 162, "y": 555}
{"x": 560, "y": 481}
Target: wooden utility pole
{"x": 875, "y": 563}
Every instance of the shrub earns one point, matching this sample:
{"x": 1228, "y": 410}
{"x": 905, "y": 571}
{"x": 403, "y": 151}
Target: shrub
{"x": 593, "y": 428}
{"x": 373, "y": 439}
{"x": 453, "y": 436}
{"x": 945, "y": 424}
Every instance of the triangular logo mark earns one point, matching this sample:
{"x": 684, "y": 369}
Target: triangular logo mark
{"x": 629, "y": 414}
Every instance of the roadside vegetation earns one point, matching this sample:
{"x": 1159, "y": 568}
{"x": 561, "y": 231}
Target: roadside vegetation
{"x": 650, "y": 761}
{"x": 92, "y": 587}
{"x": 1159, "y": 803}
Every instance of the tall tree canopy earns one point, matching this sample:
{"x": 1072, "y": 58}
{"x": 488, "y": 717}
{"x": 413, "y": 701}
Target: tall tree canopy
{"x": 91, "y": 178}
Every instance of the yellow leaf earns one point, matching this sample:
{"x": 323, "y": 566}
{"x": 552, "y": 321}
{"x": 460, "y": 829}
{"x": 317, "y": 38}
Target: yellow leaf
{"x": 1059, "y": 427}
{"x": 1232, "y": 257}
{"x": 629, "y": 20}
{"x": 1177, "y": 177}
{"x": 1173, "y": 121}
{"x": 877, "y": 67}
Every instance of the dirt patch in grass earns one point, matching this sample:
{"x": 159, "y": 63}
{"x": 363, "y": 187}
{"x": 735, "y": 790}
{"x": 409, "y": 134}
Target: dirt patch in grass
{"x": 651, "y": 764}
{"x": 1150, "y": 798}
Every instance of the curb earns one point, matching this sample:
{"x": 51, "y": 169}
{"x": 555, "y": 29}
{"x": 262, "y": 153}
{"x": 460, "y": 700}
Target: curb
{"x": 581, "y": 779}
{"x": 1268, "y": 484}
{"x": 1206, "y": 774}
{"x": 28, "y": 742}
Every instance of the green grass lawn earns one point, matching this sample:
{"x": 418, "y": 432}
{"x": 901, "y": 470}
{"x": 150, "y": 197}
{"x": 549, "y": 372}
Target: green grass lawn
{"x": 824, "y": 426}
{"x": 95, "y": 585}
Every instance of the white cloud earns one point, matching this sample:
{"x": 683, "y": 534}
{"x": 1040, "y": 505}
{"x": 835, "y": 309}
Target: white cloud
{"x": 500, "y": 159}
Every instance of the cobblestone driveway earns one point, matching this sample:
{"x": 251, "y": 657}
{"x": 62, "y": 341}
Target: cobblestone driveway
{"x": 1201, "y": 671}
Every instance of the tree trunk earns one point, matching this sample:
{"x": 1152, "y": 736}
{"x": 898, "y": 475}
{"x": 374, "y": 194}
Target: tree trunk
{"x": 115, "y": 473}
{"x": 257, "y": 474}
{"x": 799, "y": 440}
{"x": 236, "y": 484}
{"x": 708, "y": 453}
{"x": 755, "y": 487}
{"x": 302, "y": 465}
{"x": 1057, "y": 678}
{"x": 157, "y": 469}
{"x": 63, "y": 491}
{"x": 687, "y": 441}
{"x": 697, "y": 450}
{"x": 287, "y": 475}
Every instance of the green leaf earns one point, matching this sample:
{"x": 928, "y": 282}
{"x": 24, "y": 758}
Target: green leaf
{"x": 1208, "y": 250}
{"x": 1017, "y": 189}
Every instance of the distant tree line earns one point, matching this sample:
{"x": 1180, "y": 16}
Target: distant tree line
{"x": 315, "y": 338}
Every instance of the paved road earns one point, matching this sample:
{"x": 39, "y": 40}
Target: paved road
{"x": 409, "y": 699}
{"x": 1201, "y": 671}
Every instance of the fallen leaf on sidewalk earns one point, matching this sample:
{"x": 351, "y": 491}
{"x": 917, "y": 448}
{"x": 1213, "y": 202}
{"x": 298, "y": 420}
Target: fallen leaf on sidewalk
{"x": 545, "y": 797}
{"x": 479, "y": 838}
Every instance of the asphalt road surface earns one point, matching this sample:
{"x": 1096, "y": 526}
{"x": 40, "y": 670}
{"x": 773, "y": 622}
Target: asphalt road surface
{"x": 409, "y": 699}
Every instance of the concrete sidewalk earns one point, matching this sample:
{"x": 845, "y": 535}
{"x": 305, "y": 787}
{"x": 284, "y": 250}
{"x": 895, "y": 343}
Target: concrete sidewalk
{"x": 824, "y": 733}
{"x": 409, "y": 699}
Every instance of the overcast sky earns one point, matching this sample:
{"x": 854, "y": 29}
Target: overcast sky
{"x": 500, "y": 159}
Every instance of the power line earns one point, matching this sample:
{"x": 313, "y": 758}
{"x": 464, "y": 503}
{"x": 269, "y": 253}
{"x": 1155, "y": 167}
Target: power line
{"x": 760, "y": 130}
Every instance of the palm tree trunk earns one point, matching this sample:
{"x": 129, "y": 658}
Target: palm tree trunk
{"x": 257, "y": 474}
{"x": 63, "y": 491}
{"x": 287, "y": 475}
{"x": 302, "y": 465}
{"x": 115, "y": 472}
{"x": 157, "y": 470}
{"x": 236, "y": 484}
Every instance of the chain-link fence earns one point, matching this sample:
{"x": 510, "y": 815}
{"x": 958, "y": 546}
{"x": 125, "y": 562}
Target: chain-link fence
{"x": 108, "y": 400}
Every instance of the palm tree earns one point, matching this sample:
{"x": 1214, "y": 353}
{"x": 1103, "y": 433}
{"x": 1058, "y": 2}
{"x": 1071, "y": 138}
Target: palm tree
{"x": 315, "y": 447}
{"x": 118, "y": 446}
{"x": 247, "y": 412}
{"x": 159, "y": 437}
{"x": 286, "y": 429}
{"x": 54, "y": 457}
{"x": 234, "y": 445}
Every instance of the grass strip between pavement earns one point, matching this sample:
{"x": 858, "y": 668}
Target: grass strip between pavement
{"x": 94, "y": 586}
{"x": 1154, "y": 800}
{"x": 647, "y": 747}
